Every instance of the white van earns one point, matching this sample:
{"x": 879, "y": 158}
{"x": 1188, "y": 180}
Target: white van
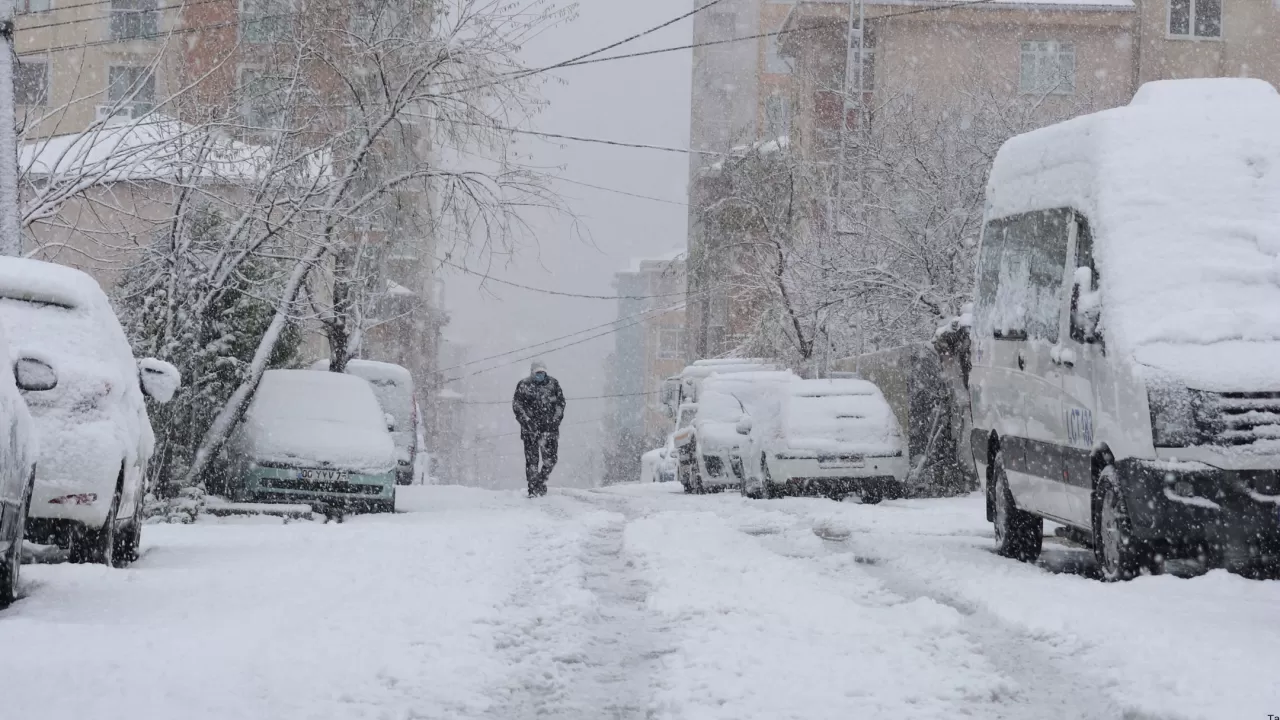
{"x": 1126, "y": 336}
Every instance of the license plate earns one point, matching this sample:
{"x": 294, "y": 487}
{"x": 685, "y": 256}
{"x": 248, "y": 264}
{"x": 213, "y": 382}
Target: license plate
{"x": 322, "y": 475}
{"x": 841, "y": 463}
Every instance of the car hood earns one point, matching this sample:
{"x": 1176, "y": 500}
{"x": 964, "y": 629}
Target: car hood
{"x": 353, "y": 449}
{"x": 1231, "y": 366}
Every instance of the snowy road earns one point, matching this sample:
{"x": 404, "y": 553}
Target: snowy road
{"x": 631, "y": 602}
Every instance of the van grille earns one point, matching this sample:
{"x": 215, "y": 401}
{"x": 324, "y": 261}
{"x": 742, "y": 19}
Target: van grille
{"x": 1240, "y": 418}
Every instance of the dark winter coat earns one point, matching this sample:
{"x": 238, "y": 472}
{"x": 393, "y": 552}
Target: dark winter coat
{"x": 539, "y": 407}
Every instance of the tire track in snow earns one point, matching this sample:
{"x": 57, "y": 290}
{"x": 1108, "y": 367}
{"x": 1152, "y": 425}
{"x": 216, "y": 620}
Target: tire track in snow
{"x": 601, "y": 664}
{"x": 1046, "y": 683}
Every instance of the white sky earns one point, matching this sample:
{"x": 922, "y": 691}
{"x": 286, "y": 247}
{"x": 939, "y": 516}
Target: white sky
{"x": 643, "y": 100}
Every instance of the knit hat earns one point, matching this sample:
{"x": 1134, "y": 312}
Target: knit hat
{"x": 537, "y": 365}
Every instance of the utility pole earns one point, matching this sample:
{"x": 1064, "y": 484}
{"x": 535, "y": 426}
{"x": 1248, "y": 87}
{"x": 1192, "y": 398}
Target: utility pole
{"x": 10, "y": 238}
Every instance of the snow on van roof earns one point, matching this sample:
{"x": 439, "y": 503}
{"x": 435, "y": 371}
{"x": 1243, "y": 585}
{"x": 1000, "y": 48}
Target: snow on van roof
{"x": 1182, "y": 192}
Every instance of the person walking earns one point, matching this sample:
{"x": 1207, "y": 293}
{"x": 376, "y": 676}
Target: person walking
{"x": 539, "y": 408}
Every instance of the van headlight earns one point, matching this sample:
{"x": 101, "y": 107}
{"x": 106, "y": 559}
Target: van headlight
{"x": 1177, "y": 416}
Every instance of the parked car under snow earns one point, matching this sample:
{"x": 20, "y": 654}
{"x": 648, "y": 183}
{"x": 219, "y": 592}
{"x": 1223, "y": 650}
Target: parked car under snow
{"x": 312, "y": 437}
{"x": 393, "y": 386}
{"x": 95, "y": 435}
{"x": 17, "y": 463}
{"x": 710, "y": 449}
{"x": 825, "y": 437}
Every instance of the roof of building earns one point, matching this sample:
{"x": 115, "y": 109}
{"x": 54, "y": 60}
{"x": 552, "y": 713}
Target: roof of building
{"x": 135, "y": 150}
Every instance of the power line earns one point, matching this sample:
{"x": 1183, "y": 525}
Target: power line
{"x": 512, "y": 434}
{"x": 490, "y": 278}
{"x": 570, "y": 335}
{"x": 619, "y": 192}
{"x": 76, "y": 21}
{"x": 600, "y": 141}
{"x": 158, "y": 35}
{"x": 581, "y": 58}
{"x": 499, "y": 366}
{"x": 589, "y": 397}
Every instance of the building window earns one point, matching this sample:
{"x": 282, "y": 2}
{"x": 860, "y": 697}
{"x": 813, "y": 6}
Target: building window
{"x": 670, "y": 343}
{"x": 32, "y": 6}
{"x": 266, "y": 21}
{"x": 1048, "y": 68}
{"x": 1195, "y": 18}
{"x": 263, "y": 99}
{"x": 31, "y": 82}
{"x": 134, "y": 85}
{"x": 777, "y": 116}
{"x": 370, "y": 21}
{"x": 775, "y": 61}
{"x": 134, "y": 19}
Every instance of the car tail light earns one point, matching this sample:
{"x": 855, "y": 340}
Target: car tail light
{"x": 77, "y": 499}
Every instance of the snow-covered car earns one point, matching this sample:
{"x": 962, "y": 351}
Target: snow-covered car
{"x": 95, "y": 435}
{"x": 682, "y": 389}
{"x": 393, "y": 386}
{"x": 824, "y": 437}
{"x": 1126, "y": 335}
{"x": 657, "y": 465}
{"x": 314, "y": 437}
{"x": 709, "y": 449}
{"x": 17, "y": 462}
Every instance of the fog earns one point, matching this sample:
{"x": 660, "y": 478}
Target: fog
{"x": 640, "y": 101}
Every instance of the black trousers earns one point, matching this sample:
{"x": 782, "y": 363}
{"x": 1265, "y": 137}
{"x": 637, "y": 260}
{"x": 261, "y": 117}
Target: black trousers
{"x": 540, "y": 453}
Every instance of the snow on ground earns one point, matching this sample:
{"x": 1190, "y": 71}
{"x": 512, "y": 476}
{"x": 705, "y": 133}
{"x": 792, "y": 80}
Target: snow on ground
{"x": 379, "y": 617}
{"x": 630, "y": 602}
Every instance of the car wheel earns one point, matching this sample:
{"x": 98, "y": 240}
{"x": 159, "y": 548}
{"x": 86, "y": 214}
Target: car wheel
{"x": 1019, "y": 534}
{"x": 97, "y": 545}
{"x": 11, "y": 563}
{"x": 127, "y": 543}
{"x": 767, "y": 489}
{"x": 1120, "y": 555}
{"x": 872, "y": 496}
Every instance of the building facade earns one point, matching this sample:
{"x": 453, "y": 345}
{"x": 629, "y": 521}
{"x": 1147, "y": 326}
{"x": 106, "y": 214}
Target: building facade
{"x": 649, "y": 347}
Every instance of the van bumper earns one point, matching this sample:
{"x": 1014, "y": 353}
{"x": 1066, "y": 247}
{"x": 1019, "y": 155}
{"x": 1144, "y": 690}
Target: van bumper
{"x": 1233, "y": 512}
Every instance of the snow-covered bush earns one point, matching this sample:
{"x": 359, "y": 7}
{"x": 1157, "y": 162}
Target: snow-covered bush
{"x": 211, "y": 350}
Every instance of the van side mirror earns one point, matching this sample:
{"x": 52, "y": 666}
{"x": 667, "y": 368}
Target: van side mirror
{"x": 1086, "y": 307}
{"x": 32, "y": 375}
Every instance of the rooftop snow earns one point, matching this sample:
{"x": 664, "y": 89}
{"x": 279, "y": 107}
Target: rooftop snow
{"x": 670, "y": 256}
{"x": 141, "y": 150}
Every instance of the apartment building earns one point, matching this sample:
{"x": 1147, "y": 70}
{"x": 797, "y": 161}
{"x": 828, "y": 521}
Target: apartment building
{"x": 649, "y": 347}
{"x": 986, "y": 68}
{"x": 87, "y": 70}
{"x": 741, "y": 96}
{"x": 79, "y": 62}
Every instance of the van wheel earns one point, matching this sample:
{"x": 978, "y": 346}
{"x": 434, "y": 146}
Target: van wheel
{"x": 1019, "y": 534}
{"x": 11, "y": 563}
{"x": 1120, "y": 555}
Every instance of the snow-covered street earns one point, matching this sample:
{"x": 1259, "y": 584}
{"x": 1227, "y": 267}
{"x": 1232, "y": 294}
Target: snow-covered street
{"x": 628, "y": 602}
